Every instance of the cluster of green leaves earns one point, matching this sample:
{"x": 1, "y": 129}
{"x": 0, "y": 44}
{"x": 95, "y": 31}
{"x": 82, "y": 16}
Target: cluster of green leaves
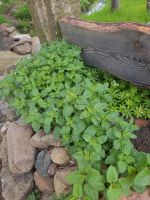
{"x": 53, "y": 90}
{"x": 22, "y": 13}
{"x": 129, "y": 100}
{"x": 85, "y": 4}
{"x": 35, "y": 195}
{"x": 20, "y": 10}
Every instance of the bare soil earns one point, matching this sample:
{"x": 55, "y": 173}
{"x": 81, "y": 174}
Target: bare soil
{"x": 142, "y": 142}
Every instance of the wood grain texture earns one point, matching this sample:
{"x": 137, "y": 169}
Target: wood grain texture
{"x": 122, "y": 49}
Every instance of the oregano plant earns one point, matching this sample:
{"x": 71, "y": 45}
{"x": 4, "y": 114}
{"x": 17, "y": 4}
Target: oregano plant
{"x": 53, "y": 90}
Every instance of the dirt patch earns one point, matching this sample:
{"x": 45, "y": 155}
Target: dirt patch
{"x": 142, "y": 142}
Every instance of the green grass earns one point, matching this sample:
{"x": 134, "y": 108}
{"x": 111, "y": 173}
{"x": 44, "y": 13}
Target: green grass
{"x": 3, "y": 20}
{"x": 130, "y": 10}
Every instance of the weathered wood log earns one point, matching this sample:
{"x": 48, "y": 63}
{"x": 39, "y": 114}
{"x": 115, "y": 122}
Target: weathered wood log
{"x": 122, "y": 49}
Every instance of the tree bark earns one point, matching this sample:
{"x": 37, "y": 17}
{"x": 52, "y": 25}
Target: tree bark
{"x": 122, "y": 49}
{"x": 114, "y": 4}
{"x": 45, "y": 15}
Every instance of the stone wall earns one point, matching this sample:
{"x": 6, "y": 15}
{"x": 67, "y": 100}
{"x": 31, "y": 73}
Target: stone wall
{"x": 45, "y": 15}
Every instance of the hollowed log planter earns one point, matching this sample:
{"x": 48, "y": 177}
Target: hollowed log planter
{"x": 122, "y": 49}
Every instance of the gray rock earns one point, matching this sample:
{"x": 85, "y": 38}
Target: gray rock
{"x": 52, "y": 169}
{"x": 21, "y": 42}
{"x": 42, "y": 141}
{"x": 23, "y": 49}
{"x": 44, "y": 184}
{"x": 21, "y": 155}
{"x": 61, "y": 186}
{"x": 36, "y": 45}
{"x": 13, "y": 187}
{"x": 43, "y": 162}
{"x": 10, "y": 29}
{"x": 8, "y": 59}
{"x": 16, "y": 187}
{"x": 21, "y": 36}
{"x": 60, "y": 156}
{"x": 6, "y": 113}
{"x": 14, "y": 34}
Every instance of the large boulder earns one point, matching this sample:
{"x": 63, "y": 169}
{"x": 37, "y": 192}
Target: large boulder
{"x": 14, "y": 187}
{"x": 21, "y": 154}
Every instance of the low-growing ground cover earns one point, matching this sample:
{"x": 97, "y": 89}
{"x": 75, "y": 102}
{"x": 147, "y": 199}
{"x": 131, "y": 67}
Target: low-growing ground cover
{"x": 53, "y": 90}
{"x": 130, "y": 10}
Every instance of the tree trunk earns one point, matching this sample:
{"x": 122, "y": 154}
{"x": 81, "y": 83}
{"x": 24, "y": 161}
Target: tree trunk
{"x": 114, "y": 4}
{"x": 45, "y": 15}
{"x": 122, "y": 49}
{"x": 148, "y": 5}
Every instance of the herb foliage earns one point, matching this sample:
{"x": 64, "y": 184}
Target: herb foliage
{"x": 55, "y": 91}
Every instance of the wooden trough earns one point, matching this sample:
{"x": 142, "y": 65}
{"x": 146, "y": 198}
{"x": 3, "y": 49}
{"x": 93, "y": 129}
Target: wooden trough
{"x": 122, "y": 49}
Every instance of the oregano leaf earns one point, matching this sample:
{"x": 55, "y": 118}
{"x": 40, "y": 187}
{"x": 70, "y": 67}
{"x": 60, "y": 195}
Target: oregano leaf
{"x": 112, "y": 175}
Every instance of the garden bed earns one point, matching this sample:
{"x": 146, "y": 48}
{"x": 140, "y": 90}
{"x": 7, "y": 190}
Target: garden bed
{"x": 84, "y": 108}
{"x": 142, "y": 143}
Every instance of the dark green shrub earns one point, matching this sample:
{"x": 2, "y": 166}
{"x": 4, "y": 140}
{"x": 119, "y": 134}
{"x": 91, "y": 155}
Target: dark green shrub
{"x": 54, "y": 90}
{"x": 85, "y": 4}
{"x": 24, "y": 26}
{"x": 22, "y": 12}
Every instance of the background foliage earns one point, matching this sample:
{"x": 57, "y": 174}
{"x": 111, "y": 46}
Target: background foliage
{"x": 85, "y": 4}
{"x": 128, "y": 11}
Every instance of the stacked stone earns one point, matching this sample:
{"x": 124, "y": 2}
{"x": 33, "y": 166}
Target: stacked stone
{"x": 32, "y": 160}
{"x": 35, "y": 160}
{"x": 14, "y": 46}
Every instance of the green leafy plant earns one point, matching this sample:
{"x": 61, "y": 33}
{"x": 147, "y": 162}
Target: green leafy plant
{"x": 129, "y": 100}
{"x": 35, "y": 195}
{"x": 22, "y": 13}
{"x": 53, "y": 90}
{"x": 85, "y": 4}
